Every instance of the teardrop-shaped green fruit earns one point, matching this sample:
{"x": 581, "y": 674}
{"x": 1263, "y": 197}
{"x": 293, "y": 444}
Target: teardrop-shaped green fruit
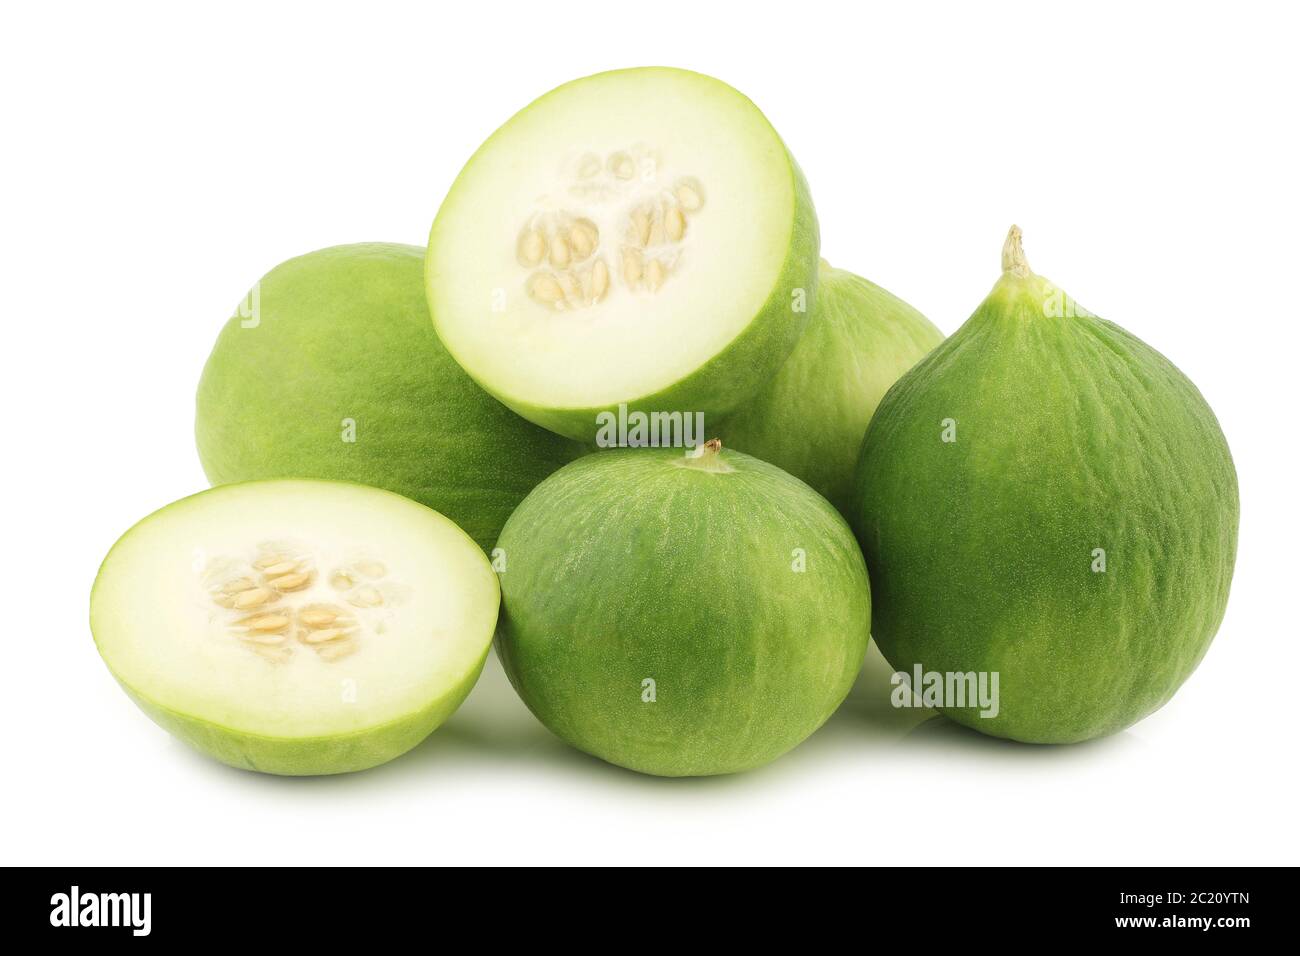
{"x": 1046, "y": 498}
{"x": 811, "y": 417}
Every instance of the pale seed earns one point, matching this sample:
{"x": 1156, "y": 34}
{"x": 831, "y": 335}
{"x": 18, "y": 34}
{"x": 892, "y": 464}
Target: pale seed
{"x": 622, "y": 166}
{"x": 656, "y": 236}
{"x": 237, "y": 585}
{"x": 599, "y": 280}
{"x": 641, "y": 226}
{"x": 290, "y": 582}
{"x": 560, "y": 252}
{"x": 370, "y": 569}
{"x": 284, "y": 567}
{"x": 631, "y": 266}
{"x": 582, "y": 238}
{"x": 545, "y": 289}
{"x": 366, "y": 597}
{"x": 275, "y": 655}
{"x": 674, "y": 224}
{"x": 319, "y": 617}
{"x": 341, "y": 581}
{"x": 333, "y": 652}
{"x": 532, "y": 246}
{"x": 269, "y": 560}
{"x": 267, "y": 622}
{"x": 264, "y": 638}
{"x": 572, "y": 288}
{"x": 689, "y": 196}
{"x": 655, "y": 274}
{"x": 255, "y": 597}
{"x": 326, "y": 635}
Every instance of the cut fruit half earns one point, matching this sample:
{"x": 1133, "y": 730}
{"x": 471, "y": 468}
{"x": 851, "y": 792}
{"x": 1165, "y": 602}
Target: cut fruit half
{"x": 641, "y": 237}
{"x": 296, "y": 627}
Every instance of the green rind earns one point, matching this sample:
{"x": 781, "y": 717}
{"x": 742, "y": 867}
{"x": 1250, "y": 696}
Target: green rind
{"x": 1071, "y": 435}
{"x": 345, "y": 334}
{"x": 625, "y": 565}
{"x": 723, "y": 382}
{"x": 810, "y": 419}
{"x": 308, "y": 756}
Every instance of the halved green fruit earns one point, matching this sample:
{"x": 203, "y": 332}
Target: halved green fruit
{"x": 1047, "y": 498}
{"x": 332, "y": 370}
{"x": 296, "y": 627}
{"x": 640, "y": 237}
{"x": 811, "y": 417}
{"x": 681, "y": 614}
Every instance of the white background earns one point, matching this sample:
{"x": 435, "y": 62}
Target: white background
{"x": 158, "y": 159}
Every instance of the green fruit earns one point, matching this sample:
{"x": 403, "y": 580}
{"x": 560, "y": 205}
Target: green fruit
{"x": 296, "y": 627}
{"x": 331, "y": 370}
{"x": 1047, "y": 498}
{"x": 638, "y": 238}
{"x": 811, "y": 417}
{"x": 681, "y": 614}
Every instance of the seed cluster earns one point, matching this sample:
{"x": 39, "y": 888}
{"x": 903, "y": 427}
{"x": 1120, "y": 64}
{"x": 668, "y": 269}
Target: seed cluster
{"x": 267, "y": 618}
{"x": 567, "y": 244}
{"x": 564, "y": 252}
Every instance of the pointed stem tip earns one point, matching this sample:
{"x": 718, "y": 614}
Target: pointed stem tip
{"x": 1013, "y": 255}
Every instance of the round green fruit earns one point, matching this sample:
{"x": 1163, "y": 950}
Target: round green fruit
{"x": 296, "y": 627}
{"x": 1046, "y": 498}
{"x": 811, "y": 417}
{"x": 681, "y": 614}
{"x": 638, "y": 238}
{"x": 330, "y": 369}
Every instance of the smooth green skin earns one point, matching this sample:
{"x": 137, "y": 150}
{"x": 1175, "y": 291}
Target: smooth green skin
{"x": 344, "y": 333}
{"x": 736, "y": 373}
{"x": 1071, "y": 435}
{"x": 625, "y": 565}
{"x": 810, "y": 419}
{"x": 290, "y": 756}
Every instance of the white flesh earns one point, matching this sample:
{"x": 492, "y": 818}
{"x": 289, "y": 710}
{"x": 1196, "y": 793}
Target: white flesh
{"x": 593, "y": 350}
{"x": 161, "y": 627}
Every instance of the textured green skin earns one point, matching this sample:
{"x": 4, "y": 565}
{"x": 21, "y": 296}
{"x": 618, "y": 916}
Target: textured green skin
{"x": 625, "y": 566}
{"x": 345, "y": 333}
{"x": 810, "y": 419}
{"x": 723, "y": 382}
{"x": 1071, "y": 435}
{"x": 307, "y": 756}
{"x": 291, "y": 756}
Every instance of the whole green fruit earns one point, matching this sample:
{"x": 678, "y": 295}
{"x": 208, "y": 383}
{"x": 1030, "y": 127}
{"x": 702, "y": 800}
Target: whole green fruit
{"x": 811, "y": 417}
{"x": 1047, "y": 498}
{"x": 681, "y": 615}
{"x": 332, "y": 370}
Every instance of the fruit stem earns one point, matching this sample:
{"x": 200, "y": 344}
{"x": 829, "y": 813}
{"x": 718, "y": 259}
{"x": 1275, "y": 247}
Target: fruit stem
{"x": 1013, "y": 256}
{"x": 707, "y": 457}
